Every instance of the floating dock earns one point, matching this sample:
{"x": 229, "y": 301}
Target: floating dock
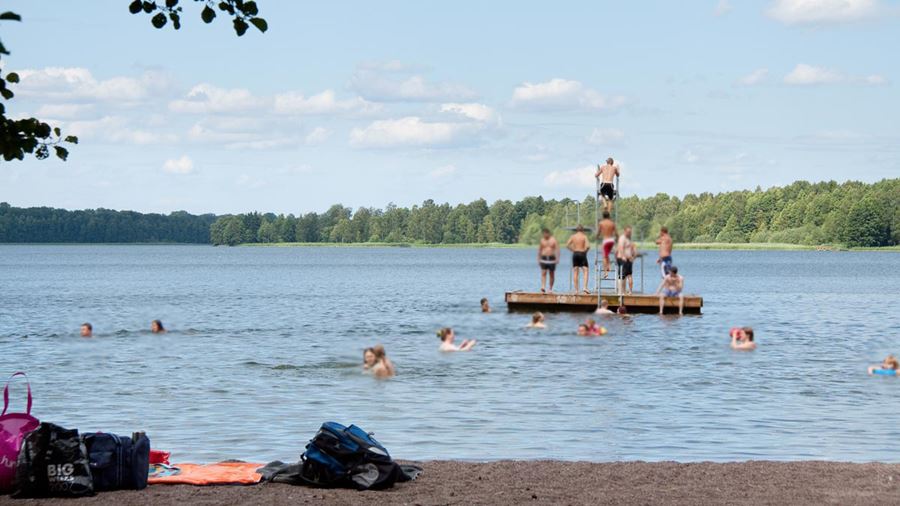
{"x": 634, "y": 303}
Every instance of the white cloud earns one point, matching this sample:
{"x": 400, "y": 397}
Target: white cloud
{"x": 562, "y": 94}
{"x": 410, "y": 131}
{"x": 325, "y": 102}
{"x": 116, "y": 129}
{"x": 722, "y": 8}
{"x": 754, "y": 78}
{"x": 606, "y": 137}
{"x": 393, "y": 82}
{"x": 77, "y": 84}
{"x": 690, "y": 157}
{"x": 64, "y": 110}
{"x": 443, "y": 171}
{"x": 806, "y": 75}
{"x": 798, "y": 12}
{"x": 206, "y": 98}
{"x": 580, "y": 177}
{"x": 473, "y": 111}
{"x": 183, "y": 165}
{"x": 318, "y": 135}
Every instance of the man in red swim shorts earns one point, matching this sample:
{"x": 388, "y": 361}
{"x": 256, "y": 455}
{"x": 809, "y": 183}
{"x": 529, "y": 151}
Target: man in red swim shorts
{"x": 607, "y": 230}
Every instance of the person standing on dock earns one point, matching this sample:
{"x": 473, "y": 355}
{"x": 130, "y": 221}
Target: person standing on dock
{"x": 579, "y": 245}
{"x": 625, "y": 255}
{"x": 607, "y": 174}
{"x": 548, "y": 257}
{"x": 672, "y": 286}
{"x": 664, "y": 241}
{"x": 607, "y": 230}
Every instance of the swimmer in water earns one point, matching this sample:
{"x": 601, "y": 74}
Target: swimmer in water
{"x": 742, "y": 339}
{"x": 156, "y": 327}
{"x": 622, "y": 310}
{"x": 583, "y": 330}
{"x": 383, "y": 367}
{"x": 368, "y": 359}
{"x": 537, "y": 321}
{"x": 447, "y": 336}
{"x": 593, "y": 328}
{"x": 888, "y": 367}
{"x": 604, "y": 308}
{"x": 485, "y": 306}
{"x": 87, "y": 330}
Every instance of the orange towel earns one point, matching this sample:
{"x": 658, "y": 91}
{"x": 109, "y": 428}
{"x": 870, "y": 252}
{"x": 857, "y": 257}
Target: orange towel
{"x": 223, "y": 473}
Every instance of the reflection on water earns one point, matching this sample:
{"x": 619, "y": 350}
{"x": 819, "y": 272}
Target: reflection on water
{"x": 265, "y": 344}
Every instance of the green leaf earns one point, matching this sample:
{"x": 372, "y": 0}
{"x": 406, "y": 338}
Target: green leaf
{"x": 6, "y": 93}
{"x": 260, "y": 24}
{"x": 57, "y": 131}
{"x": 208, "y": 15}
{"x": 171, "y": 3}
{"x": 250, "y": 8}
{"x": 72, "y": 139}
{"x": 12, "y": 77}
{"x": 240, "y": 26}
{"x": 176, "y": 20}
{"x": 61, "y": 152}
{"x": 3, "y": 49}
{"x": 148, "y": 6}
{"x": 10, "y": 16}
{"x": 135, "y": 7}
{"x": 42, "y": 152}
{"x": 159, "y": 20}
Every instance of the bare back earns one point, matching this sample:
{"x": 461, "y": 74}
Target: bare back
{"x": 607, "y": 173}
{"x": 578, "y": 242}
{"x": 607, "y": 228}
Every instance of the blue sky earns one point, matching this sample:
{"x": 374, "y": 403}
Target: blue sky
{"x": 365, "y": 103}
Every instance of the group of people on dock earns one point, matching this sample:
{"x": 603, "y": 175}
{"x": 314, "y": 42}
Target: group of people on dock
{"x": 625, "y": 249}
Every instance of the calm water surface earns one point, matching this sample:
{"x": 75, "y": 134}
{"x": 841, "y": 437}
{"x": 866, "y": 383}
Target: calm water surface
{"x": 265, "y": 344}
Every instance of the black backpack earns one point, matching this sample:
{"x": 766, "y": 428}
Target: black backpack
{"x": 118, "y": 462}
{"x": 339, "y": 456}
{"x": 53, "y": 463}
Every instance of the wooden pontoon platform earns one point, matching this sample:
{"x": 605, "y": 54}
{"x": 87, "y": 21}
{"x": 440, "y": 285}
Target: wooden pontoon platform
{"x": 635, "y": 303}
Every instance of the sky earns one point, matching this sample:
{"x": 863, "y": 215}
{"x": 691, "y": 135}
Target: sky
{"x": 367, "y": 103}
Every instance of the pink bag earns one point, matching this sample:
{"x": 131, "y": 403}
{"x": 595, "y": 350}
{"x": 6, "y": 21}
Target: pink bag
{"x": 13, "y": 429}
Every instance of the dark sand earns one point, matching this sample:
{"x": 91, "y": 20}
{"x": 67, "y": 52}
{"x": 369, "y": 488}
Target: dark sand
{"x": 553, "y": 482}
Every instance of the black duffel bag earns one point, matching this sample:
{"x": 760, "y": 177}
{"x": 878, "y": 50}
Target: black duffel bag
{"x": 118, "y": 462}
{"x": 53, "y": 463}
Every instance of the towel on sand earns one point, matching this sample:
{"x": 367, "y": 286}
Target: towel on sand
{"x": 223, "y": 473}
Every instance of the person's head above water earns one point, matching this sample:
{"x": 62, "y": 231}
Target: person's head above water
{"x": 156, "y": 327}
{"x": 604, "y": 304}
{"x": 379, "y": 352}
{"x": 582, "y": 330}
{"x": 485, "y": 306}
{"x": 87, "y": 330}
{"x": 890, "y": 363}
{"x": 369, "y": 357}
{"x": 622, "y": 309}
{"x": 445, "y": 334}
{"x": 748, "y": 331}
{"x": 537, "y": 317}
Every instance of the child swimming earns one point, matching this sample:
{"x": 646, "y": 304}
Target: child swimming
{"x": 593, "y": 329}
{"x": 375, "y": 361}
{"x": 447, "y": 336}
{"x": 537, "y": 321}
{"x": 888, "y": 367}
{"x": 742, "y": 339}
{"x": 583, "y": 330}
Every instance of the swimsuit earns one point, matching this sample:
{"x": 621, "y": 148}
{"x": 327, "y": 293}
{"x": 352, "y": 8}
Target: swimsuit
{"x": 548, "y": 263}
{"x": 608, "y": 244}
{"x": 607, "y": 190}
{"x": 626, "y": 267}
{"x": 665, "y": 264}
{"x": 579, "y": 259}
{"x": 671, "y": 293}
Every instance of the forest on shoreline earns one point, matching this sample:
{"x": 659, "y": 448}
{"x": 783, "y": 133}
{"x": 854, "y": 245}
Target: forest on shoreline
{"x": 851, "y": 214}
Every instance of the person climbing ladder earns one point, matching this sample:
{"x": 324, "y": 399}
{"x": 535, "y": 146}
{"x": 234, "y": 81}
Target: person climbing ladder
{"x": 607, "y": 175}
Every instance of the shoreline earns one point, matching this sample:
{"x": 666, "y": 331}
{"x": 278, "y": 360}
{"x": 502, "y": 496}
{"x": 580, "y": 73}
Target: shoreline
{"x": 559, "y": 482}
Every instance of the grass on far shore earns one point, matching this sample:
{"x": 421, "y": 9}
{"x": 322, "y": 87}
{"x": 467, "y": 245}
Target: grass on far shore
{"x": 641, "y": 245}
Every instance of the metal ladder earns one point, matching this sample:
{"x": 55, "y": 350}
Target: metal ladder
{"x": 610, "y": 284}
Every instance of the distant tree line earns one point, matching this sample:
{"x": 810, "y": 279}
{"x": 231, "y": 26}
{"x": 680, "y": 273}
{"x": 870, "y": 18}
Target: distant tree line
{"x": 852, "y": 214}
{"x": 46, "y": 224}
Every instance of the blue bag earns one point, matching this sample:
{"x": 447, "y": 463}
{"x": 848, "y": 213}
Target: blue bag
{"x": 350, "y": 457}
{"x": 117, "y": 462}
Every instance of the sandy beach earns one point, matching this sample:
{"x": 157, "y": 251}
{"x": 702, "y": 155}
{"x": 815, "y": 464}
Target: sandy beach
{"x": 553, "y": 482}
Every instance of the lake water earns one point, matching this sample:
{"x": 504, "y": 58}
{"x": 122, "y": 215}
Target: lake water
{"x": 266, "y": 344}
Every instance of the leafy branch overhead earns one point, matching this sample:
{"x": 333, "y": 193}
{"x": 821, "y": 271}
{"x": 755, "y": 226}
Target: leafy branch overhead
{"x": 28, "y": 135}
{"x": 244, "y": 13}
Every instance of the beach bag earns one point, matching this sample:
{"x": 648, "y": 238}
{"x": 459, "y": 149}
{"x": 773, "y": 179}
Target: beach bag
{"x": 118, "y": 462}
{"x": 53, "y": 463}
{"x": 348, "y": 457}
{"x": 13, "y": 429}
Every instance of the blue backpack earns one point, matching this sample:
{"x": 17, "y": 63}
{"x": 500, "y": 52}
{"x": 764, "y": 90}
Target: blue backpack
{"x": 350, "y": 457}
{"x": 118, "y": 462}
